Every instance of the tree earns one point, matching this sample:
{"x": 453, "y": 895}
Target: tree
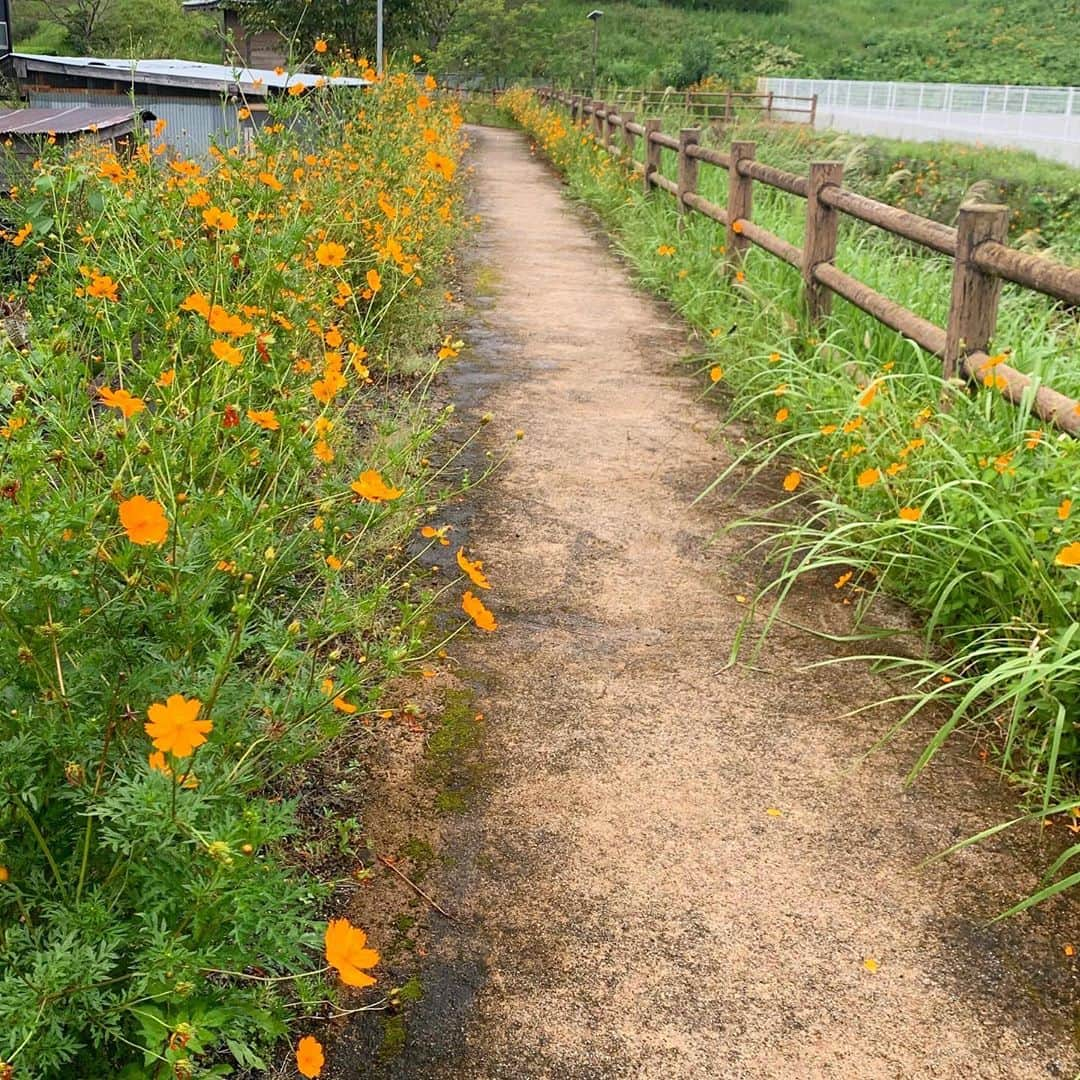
{"x": 139, "y": 28}
{"x": 490, "y": 40}
{"x": 348, "y": 22}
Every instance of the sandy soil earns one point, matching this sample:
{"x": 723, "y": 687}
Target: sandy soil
{"x": 679, "y": 869}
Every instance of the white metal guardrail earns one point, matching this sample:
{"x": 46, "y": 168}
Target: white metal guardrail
{"x": 1044, "y": 119}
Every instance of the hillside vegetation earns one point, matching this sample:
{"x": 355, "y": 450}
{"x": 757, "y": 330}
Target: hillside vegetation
{"x": 641, "y": 42}
{"x": 1028, "y": 41}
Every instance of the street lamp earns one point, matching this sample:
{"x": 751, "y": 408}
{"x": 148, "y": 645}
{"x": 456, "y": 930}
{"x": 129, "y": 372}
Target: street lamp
{"x": 595, "y": 17}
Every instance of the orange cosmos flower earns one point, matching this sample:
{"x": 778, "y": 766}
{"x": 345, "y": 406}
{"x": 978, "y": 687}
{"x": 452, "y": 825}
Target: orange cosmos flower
{"x": 716, "y": 373}
{"x": 296, "y": 89}
{"x": 343, "y": 706}
{"x": 371, "y": 486}
{"x": 221, "y": 322}
{"x": 230, "y": 354}
{"x": 222, "y": 220}
{"x": 122, "y": 400}
{"x": 104, "y": 288}
{"x": 174, "y": 726}
{"x": 473, "y": 606}
{"x": 474, "y": 570}
{"x": 346, "y": 951}
{"x": 266, "y": 419}
{"x": 842, "y": 580}
{"x": 166, "y": 378}
{"x": 19, "y": 238}
{"x": 330, "y": 254}
{"x": 198, "y": 303}
{"x": 1064, "y": 508}
{"x": 866, "y": 398}
{"x": 374, "y": 281}
{"x": 325, "y": 388}
{"x": 665, "y": 251}
{"x": 444, "y": 166}
{"x": 243, "y": 114}
{"x": 782, "y": 415}
{"x": 144, "y": 520}
{"x": 792, "y": 480}
{"x": 309, "y": 1057}
{"x": 1069, "y": 555}
{"x": 320, "y": 46}
{"x": 910, "y": 513}
{"x": 271, "y": 181}
{"x": 324, "y": 452}
{"x": 333, "y": 562}
{"x": 868, "y": 477}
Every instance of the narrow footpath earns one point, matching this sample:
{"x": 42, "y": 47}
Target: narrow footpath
{"x": 680, "y": 869}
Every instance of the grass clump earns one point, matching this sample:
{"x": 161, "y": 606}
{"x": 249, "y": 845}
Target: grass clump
{"x": 964, "y": 510}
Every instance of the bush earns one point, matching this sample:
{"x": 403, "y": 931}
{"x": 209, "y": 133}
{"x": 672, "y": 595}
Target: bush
{"x": 205, "y": 456}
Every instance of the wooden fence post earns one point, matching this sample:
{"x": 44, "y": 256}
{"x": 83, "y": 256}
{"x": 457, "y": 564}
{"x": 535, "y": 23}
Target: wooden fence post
{"x": 598, "y": 121}
{"x": 819, "y": 245}
{"x": 768, "y": 106}
{"x": 628, "y": 135}
{"x": 975, "y": 294}
{"x": 575, "y": 101}
{"x": 688, "y": 168}
{"x": 609, "y": 127}
{"x": 813, "y": 109}
{"x": 740, "y": 203}
{"x": 652, "y": 151}
{"x": 729, "y": 107}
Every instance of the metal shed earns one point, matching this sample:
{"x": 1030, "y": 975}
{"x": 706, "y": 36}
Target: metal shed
{"x": 199, "y": 101}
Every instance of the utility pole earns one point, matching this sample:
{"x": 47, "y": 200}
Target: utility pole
{"x": 379, "y": 37}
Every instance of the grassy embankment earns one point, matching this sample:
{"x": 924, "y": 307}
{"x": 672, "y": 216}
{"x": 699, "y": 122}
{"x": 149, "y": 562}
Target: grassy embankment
{"x": 1028, "y": 42}
{"x": 965, "y": 512}
{"x": 214, "y": 414}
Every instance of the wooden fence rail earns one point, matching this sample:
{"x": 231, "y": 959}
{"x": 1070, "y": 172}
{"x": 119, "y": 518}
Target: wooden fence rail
{"x": 721, "y": 105}
{"x": 982, "y": 259}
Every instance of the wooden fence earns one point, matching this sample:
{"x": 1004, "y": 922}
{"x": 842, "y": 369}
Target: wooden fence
{"x": 982, "y": 259}
{"x": 721, "y": 105}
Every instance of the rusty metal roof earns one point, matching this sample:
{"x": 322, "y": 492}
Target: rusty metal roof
{"x": 69, "y": 121}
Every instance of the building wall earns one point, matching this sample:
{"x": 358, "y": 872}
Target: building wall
{"x": 192, "y": 124}
{"x": 257, "y": 48}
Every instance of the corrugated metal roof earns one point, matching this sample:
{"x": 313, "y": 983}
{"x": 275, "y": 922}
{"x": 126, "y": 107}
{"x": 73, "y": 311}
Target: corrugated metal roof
{"x": 66, "y": 121}
{"x": 193, "y": 74}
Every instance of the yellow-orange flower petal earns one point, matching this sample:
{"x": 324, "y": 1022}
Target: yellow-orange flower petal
{"x": 346, "y": 951}
{"x": 144, "y": 520}
{"x": 474, "y": 570}
{"x": 174, "y": 726}
{"x": 1069, "y": 555}
{"x": 122, "y": 400}
{"x": 309, "y": 1057}
{"x": 372, "y": 487}
{"x": 473, "y": 606}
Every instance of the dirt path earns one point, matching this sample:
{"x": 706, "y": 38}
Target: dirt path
{"x": 638, "y": 910}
